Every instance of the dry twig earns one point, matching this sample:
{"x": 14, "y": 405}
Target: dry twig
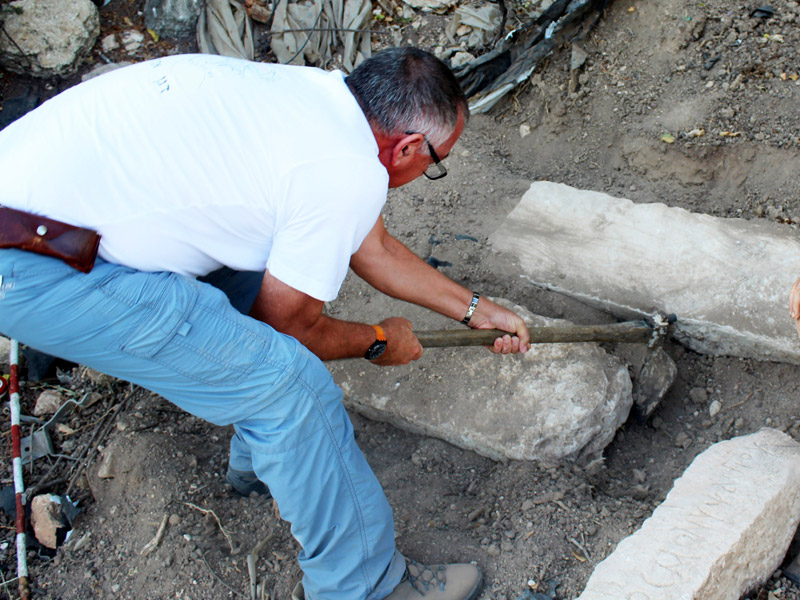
{"x": 208, "y": 511}
{"x": 153, "y": 544}
{"x": 750, "y": 395}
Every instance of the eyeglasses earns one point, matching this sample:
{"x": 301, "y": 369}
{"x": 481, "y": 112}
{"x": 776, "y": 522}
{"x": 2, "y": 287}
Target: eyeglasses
{"x": 436, "y": 169}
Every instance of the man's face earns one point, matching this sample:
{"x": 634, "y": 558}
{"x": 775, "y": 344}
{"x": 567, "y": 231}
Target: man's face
{"x": 420, "y": 161}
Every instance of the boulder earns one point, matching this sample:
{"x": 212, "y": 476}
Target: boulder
{"x": 727, "y": 280}
{"x": 172, "y": 18}
{"x": 48, "y": 38}
{"x": 559, "y": 401}
{"x": 723, "y": 528}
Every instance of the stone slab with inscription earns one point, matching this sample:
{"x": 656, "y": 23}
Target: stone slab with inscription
{"x": 723, "y": 528}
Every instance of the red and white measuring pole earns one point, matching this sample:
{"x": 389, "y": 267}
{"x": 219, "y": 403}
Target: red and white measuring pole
{"x": 19, "y": 486}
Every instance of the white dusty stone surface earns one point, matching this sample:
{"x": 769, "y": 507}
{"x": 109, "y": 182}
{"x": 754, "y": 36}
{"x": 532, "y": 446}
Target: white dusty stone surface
{"x": 559, "y": 401}
{"x": 724, "y": 527}
{"x": 54, "y": 35}
{"x": 727, "y": 280}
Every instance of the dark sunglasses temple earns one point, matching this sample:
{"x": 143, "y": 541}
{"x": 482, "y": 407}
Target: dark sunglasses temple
{"x": 442, "y": 170}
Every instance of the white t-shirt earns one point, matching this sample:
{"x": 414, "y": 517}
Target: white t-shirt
{"x": 192, "y": 162}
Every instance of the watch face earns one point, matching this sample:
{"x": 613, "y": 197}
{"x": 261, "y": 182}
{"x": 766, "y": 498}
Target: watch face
{"x": 375, "y": 350}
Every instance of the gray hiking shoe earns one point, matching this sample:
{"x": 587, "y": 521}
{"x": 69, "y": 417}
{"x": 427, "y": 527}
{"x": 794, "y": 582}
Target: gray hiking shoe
{"x": 245, "y": 483}
{"x": 438, "y": 582}
{"x": 434, "y": 582}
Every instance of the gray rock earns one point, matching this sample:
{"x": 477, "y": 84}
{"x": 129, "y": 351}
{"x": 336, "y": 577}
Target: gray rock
{"x": 727, "y": 280}
{"x": 556, "y": 402}
{"x": 50, "y": 37}
{"x": 654, "y": 373}
{"x": 172, "y": 18}
{"x": 724, "y": 527}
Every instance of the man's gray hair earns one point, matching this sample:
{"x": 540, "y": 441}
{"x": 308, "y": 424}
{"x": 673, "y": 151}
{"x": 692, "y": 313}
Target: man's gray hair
{"x": 404, "y": 90}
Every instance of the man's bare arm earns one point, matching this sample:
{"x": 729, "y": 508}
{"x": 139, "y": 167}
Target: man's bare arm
{"x": 299, "y": 315}
{"x": 387, "y": 265}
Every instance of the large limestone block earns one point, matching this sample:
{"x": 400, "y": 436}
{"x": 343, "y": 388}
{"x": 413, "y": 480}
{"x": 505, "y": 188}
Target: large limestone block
{"x": 48, "y": 38}
{"x": 727, "y": 280}
{"x": 724, "y": 527}
{"x": 558, "y": 401}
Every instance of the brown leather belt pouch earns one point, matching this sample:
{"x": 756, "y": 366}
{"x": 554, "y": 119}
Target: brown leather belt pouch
{"x": 74, "y": 245}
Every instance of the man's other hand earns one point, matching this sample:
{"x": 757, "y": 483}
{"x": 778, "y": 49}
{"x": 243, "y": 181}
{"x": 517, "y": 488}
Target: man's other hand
{"x": 489, "y": 315}
{"x": 794, "y": 304}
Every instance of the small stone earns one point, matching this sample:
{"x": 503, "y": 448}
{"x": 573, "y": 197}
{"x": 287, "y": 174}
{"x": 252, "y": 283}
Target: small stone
{"x": 681, "y": 438}
{"x": 47, "y": 403}
{"x": 106, "y": 468}
{"x": 524, "y": 130}
{"x": 714, "y": 409}
{"x": 459, "y": 59}
{"x": 493, "y": 551}
{"x": 46, "y": 519}
{"x": 527, "y": 505}
{"x": 64, "y": 429}
{"x": 132, "y": 40}
{"x": 109, "y": 43}
{"x": 96, "y": 377}
{"x": 639, "y": 476}
{"x": 698, "y": 395}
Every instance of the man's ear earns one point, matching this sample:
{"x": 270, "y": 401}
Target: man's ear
{"x": 406, "y": 149}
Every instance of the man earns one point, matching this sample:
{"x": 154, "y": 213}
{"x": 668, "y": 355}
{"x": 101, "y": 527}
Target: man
{"x": 212, "y": 168}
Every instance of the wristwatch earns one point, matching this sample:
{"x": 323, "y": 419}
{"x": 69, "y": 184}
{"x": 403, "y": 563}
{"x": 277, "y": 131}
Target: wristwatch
{"x": 378, "y": 347}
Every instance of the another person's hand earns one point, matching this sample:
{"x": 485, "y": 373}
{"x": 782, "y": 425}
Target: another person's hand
{"x": 489, "y": 315}
{"x": 794, "y": 304}
{"x": 402, "y": 346}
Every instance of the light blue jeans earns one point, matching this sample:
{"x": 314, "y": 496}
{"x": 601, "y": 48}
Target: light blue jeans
{"x": 184, "y": 340}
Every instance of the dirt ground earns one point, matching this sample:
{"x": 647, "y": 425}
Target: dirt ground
{"x": 674, "y": 67}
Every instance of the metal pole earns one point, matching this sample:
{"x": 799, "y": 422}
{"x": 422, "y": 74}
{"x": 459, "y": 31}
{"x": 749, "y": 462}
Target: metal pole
{"x": 19, "y": 486}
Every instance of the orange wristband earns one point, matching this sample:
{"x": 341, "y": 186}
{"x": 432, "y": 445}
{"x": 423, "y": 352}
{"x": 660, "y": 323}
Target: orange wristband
{"x": 378, "y": 347}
